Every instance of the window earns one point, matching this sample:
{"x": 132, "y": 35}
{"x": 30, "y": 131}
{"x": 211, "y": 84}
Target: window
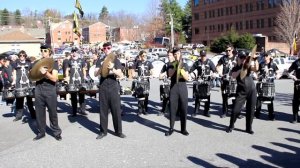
{"x": 247, "y": 24}
{"x": 205, "y": 30}
{"x": 221, "y": 11}
{"x": 246, "y": 7}
{"x": 251, "y": 24}
{"x": 251, "y": 7}
{"x": 237, "y": 25}
{"x": 205, "y": 15}
{"x": 236, "y": 9}
{"x": 196, "y": 2}
{"x": 227, "y": 11}
{"x": 196, "y": 16}
{"x": 230, "y": 10}
{"x": 262, "y": 23}
{"x": 196, "y": 30}
{"x": 241, "y": 8}
{"x": 269, "y": 22}
{"x": 257, "y": 23}
{"x": 241, "y": 25}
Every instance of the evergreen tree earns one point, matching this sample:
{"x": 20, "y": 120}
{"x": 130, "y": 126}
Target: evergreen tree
{"x": 4, "y": 17}
{"x": 103, "y": 16}
{"x": 18, "y": 17}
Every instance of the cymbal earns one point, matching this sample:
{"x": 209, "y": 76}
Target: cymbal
{"x": 35, "y": 73}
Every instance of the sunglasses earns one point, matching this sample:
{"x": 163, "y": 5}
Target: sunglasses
{"x": 228, "y": 50}
{"x": 22, "y": 55}
{"x": 44, "y": 50}
{"x": 106, "y": 48}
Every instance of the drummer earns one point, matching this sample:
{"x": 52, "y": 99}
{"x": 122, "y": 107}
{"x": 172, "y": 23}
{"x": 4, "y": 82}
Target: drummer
{"x": 144, "y": 68}
{"x": 203, "y": 67}
{"x": 21, "y": 80}
{"x": 76, "y": 75}
{"x": 6, "y": 75}
{"x": 267, "y": 69}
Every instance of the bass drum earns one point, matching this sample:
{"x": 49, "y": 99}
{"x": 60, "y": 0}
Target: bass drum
{"x": 164, "y": 91}
{"x": 92, "y": 74}
{"x": 21, "y": 92}
{"x": 201, "y": 89}
{"x": 83, "y": 88}
{"x": 8, "y": 94}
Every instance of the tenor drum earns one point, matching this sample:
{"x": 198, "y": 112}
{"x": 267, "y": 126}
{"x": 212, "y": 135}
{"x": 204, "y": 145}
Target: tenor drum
{"x": 21, "y": 92}
{"x": 267, "y": 90}
{"x": 8, "y": 94}
{"x": 231, "y": 87}
{"x": 164, "y": 91}
{"x": 72, "y": 88}
{"x": 83, "y": 88}
{"x": 61, "y": 88}
{"x": 93, "y": 88}
{"x": 141, "y": 88}
{"x": 201, "y": 89}
{"x": 31, "y": 91}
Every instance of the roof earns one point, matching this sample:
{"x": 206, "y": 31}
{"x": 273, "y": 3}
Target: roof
{"x": 17, "y": 36}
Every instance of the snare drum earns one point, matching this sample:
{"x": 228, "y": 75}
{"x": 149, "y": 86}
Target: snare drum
{"x": 164, "y": 91}
{"x": 8, "y": 94}
{"x": 142, "y": 88}
{"x": 267, "y": 90}
{"x": 61, "y": 88}
{"x": 72, "y": 88}
{"x": 231, "y": 87}
{"x": 21, "y": 92}
{"x": 201, "y": 89}
{"x": 31, "y": 91}
{"x": 83, "y": 88}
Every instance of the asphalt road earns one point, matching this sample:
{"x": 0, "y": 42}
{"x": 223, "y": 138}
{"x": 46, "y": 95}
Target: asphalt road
{"x": 274, "y": 143}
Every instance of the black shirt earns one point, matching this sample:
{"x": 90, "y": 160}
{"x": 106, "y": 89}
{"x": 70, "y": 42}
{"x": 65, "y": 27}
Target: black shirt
{"x": 22, "y": 70}
{"x": 174, "y": 77}
{"x": 111, "y": 75}
{"x": 295, "y": 67}
{"x": 143, "y": 67}
{"x": 245, "y": 83}
{"x": 76, "y": 70}
{"x": 65, "y": 65}
{"x": 225, "y": 61}
{"x": 205, "y": 67}
{"x": 272, "y": 67}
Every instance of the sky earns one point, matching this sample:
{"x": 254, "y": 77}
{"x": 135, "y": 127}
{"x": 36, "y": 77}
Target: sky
{"x": 89, "y": 6}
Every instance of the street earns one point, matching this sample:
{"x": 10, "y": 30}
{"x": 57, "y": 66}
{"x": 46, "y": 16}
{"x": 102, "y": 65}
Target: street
{"x": 273, "y": 144}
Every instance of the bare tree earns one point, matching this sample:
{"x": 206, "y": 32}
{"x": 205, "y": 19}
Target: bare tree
{"x": 288, "y": 22}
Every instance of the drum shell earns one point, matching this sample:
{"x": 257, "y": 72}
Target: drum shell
{"x": 72, "y": 88}
{"x": 31, "y": 92}
{"x": 8, "y": 94}
{"x": 61, "y": 89}
{"x": 21, "y": 92}
{"x": 92, "y": 88}
{"x": 231, "y": 87}
{"x": 83, "y": 88}
{"x": 201, "y": 89}
{"x": 164, "y": 91}
{"x": 142, "y": 88}
{"x": 267, "y": 90}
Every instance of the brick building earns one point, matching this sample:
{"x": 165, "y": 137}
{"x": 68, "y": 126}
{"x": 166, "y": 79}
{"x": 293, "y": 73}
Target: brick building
{"x": 126, "y": 34}
{"x": 212, "y": 18}
{"x": 59, "y": 33}
{"x": 94, "y": 33}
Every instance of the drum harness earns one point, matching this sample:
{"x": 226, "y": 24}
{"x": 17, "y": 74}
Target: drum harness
{"x": 76, "y": 76}
{"x": 227, "y": 76}
{"x": 23, "y": 76}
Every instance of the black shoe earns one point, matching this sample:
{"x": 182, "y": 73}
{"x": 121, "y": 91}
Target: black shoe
{"x": 240, "y": 116}
{"x": 101, "y": 135}
{"x": 74, "y": 115}
{"x": 145, "y": 113}
{"x": 294, "y": 121}
{"x": 170, "y": 132}
{"x": 223, "y": 116}
{"x": 250, "y": 131}
{"x": 16, "y": 119}
{"x": 229, "y": 129}
{"x": 207, "y": 114}
{"x": 38, "y": 137}
{"x": 194, "y": 114}
{"x": 272, "y": 118}
{"x": 83, "y": 113}
{"x": 58, "y": 137}
{"x": 185, "y": 133}
{"x": 121, "y": 135}
{"x": 257, "y": 116}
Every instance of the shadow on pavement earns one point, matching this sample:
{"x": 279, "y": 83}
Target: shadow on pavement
{"x": 200, "y": 162}
{"x": 289, "y": 130}
{"x": 86, "y": 123}
{"x": 242, "y": 163}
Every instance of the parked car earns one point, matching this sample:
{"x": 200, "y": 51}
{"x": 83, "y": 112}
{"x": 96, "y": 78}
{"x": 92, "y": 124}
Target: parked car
{"x": 283, "y": 65}
{"x": 160, "y": 51}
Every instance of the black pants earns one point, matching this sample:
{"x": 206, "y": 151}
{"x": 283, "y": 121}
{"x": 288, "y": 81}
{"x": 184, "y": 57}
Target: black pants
{"x": 74, "y": 101}
{"x": 224, "y": 84}
{"x": 249, "y": 96}
{"x": 20, "y": 106}
{"x": 109, "y": 98}
{"x": 296, "y": 101}
{"x": 45, "y": 96}
{"x": 206, "y": 105}
{"x": 178, "y": 101}
{"x": 270, "y": 107}
{"x": 165, "y": 103}
{"x": 143, "y": 104}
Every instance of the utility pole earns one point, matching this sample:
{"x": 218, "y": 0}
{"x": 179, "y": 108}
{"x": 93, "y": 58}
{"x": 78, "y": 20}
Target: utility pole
{"x": 172, "y": 30}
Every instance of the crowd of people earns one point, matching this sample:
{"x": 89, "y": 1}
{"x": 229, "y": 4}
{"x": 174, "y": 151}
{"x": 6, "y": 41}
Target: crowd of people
{"x": 235, "y": 69}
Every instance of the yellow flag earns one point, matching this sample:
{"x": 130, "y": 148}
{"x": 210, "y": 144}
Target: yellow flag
{"x": 75, "y": 25}
{"x": 78, "y": 6}
{"x": 294, "y": 42}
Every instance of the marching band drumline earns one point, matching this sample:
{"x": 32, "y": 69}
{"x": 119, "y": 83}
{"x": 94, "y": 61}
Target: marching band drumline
{"x": 202, "y": 72}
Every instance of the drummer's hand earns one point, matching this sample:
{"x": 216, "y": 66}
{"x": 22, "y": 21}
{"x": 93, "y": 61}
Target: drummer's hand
{"x": 43, "y": 70}
{"x": 294, "y": 78}
{"x": 13, "y": 83}
{"x": 110, "y": 65}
